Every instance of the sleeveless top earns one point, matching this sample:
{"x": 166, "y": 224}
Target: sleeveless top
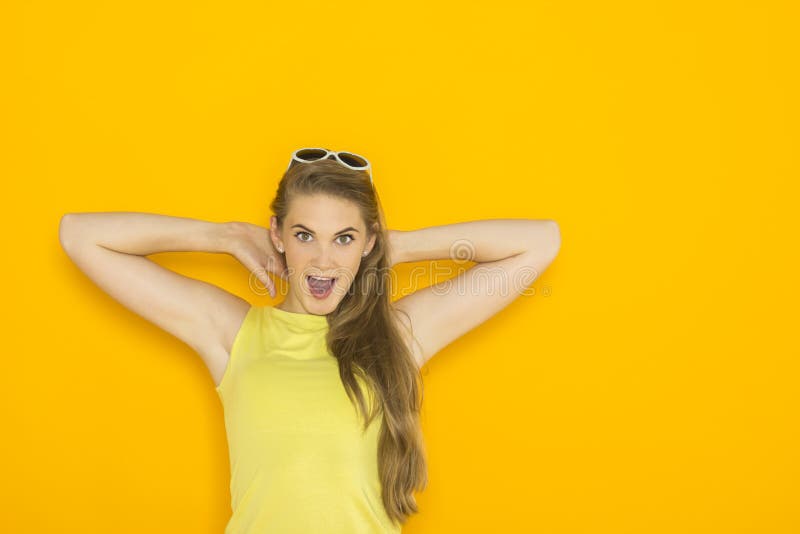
{"x": 300, "y": 461}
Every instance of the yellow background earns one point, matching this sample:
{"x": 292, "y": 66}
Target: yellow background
{"x": 649, "y": 385}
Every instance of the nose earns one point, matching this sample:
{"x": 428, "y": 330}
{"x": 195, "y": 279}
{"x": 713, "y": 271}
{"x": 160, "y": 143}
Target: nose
{"x": 324, "y": 257}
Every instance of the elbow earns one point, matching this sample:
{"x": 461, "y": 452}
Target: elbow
{"x": 556, "y": 237}
{"x": 66, "y": 232}
{"x": 546, "y": 238}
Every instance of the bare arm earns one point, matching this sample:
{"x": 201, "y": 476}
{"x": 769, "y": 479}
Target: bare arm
{"x": 144, "y": 233}
{"x": 111, "y": 248}
{"x": 510, "y": 255}
{"x": 478, "y": 241}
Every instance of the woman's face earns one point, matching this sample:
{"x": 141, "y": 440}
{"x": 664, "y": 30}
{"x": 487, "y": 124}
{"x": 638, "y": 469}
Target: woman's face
{"x": 325, "y": 237}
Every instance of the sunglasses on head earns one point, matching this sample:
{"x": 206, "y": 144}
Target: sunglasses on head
{"x": 348, "y": 159}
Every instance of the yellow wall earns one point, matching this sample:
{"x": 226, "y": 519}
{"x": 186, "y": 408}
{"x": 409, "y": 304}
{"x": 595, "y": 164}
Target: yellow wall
{"x": 650, "y": 384}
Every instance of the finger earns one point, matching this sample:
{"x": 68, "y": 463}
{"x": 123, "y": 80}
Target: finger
{"x": 279, "y": 268}
{"x": 262, "y": 277}
{"x": 267, "y": 281}
{"x": 270, "y": 285}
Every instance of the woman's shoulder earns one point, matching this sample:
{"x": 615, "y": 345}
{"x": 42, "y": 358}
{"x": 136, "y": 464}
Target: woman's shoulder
{"x": 232, "y": 316}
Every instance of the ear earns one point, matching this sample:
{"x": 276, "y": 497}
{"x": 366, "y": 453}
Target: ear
{"x": 372, "y": 238}
{"x": 274, "y": 234}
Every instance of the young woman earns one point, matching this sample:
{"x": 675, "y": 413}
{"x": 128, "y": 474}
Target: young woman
{"x": 322, "y": 392}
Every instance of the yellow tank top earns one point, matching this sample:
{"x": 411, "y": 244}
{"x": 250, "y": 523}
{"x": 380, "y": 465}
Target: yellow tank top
{"x": 300, "y": 461}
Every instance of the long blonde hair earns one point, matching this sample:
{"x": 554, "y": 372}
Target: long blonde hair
{"x": 364, "y": 337}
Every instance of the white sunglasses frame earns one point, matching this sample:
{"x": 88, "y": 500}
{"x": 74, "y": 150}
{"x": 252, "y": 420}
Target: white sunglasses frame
{"x": 335, "y": 154}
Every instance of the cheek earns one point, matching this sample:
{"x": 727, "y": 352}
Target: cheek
{"x": 347, "y": 272}
{"x": 296, "y": 265}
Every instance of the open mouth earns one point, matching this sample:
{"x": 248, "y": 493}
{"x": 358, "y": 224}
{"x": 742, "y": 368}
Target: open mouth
{"x": 320, "y": 287}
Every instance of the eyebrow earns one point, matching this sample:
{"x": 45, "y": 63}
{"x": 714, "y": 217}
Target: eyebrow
{"x": 348, "y": 229}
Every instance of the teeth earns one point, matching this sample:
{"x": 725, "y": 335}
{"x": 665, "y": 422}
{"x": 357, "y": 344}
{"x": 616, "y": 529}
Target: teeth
{"x": 318, "y": 278}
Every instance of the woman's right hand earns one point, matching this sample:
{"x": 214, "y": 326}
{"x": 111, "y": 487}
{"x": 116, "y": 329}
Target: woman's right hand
{"x": 252, "y": 246}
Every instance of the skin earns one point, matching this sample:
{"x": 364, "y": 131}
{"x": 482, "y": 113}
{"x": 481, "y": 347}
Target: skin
{"x": 111, "y": 248}
{"x": 319, "y": 247}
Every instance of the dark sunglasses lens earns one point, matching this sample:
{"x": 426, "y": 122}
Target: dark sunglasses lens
{"x": 354, "y": 160}
{"x": 310, "y": 154}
